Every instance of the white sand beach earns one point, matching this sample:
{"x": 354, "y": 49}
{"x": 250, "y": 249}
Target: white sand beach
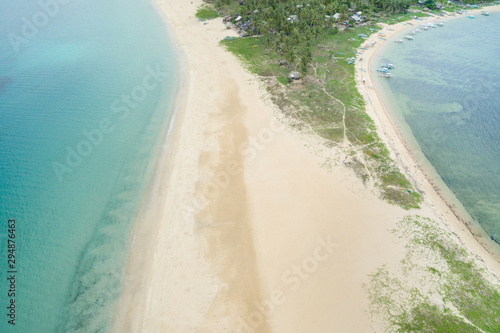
{"x": 244, "y": 230}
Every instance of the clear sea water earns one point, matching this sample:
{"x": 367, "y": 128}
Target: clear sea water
{"x": 86, "y": 96}
{"x": 445, "y": 95}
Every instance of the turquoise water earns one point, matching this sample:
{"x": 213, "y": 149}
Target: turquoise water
{"x": 86, "y": 93}
{"x": 446, "y": 90}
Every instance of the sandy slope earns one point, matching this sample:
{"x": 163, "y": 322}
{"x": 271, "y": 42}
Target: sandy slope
{"x": 244, "y": 231}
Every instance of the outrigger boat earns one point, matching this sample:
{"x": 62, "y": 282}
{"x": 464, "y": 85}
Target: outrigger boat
{"x": 386, "y": 75}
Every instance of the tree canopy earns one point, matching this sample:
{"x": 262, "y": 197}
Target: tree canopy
{"x": 291, "y": 27}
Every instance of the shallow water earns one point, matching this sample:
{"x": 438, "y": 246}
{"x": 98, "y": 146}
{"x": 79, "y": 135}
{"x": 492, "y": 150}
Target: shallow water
{"x": 86, "y": 93}
{"x": 446, "y": 94}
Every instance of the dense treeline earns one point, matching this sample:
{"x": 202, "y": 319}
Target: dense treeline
{"x": 291, "y": 27}
{"x": 390, "y": 6}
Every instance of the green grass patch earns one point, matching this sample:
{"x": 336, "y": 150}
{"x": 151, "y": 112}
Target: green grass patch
{"x": 429, "y": 318}
{"x": 206, "y": 12}
{"x": 283, "y": 80}
{"x": 252, "y": 52}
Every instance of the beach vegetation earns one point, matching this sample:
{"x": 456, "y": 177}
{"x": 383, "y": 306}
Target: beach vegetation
{"x": 459, "y": 295}
{"x": 283, "y": 80}
{"x": 206, "y": 12}
{"x": 251, "y": 51}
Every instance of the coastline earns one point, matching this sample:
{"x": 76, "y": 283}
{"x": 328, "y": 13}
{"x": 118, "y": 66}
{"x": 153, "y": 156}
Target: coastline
{"x": 410, "y": 159}
{"x": 224, "y": 227}
{"x": 173, "y": 253}
{"x": 143, "y": 235}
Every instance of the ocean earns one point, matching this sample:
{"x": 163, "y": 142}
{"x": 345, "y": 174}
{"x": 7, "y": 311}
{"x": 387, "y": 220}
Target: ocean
{"x": 445, "y": 99}
{"x": 86, "y": 97}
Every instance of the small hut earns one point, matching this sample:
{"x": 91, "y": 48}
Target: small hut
{"x": 295, "y": 76}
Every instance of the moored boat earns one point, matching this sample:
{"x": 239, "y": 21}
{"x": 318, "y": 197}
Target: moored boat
{"x": 386, "y": 75}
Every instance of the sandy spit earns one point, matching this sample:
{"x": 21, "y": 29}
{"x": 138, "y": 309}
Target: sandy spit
{"x": 244, "y": 230}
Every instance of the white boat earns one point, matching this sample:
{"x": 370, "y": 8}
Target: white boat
{"x": 386, "y": 75}
{"x": 408, "y": 37}
{"x": 485, "y": 13}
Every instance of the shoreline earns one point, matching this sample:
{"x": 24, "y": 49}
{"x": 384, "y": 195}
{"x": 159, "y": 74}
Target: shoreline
{"x": 224, "y": 227}
{"x": 175, "y": 250}
{"x": 417, "y": 169}
{"x": 143, "y": 233}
